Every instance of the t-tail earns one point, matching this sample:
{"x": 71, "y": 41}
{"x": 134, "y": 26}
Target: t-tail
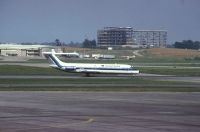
{"x": 55, "y": 62}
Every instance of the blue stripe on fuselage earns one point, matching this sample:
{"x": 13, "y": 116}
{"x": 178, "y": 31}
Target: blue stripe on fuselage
{"x": 55, "y": 61}
{"x": 123, "y": 69}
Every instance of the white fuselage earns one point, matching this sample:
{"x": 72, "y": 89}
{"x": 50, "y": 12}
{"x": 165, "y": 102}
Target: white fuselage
{"x": 99, "y": 68}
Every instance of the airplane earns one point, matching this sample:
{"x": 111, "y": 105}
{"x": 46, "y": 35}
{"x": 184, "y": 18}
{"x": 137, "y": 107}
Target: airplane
{"x": 88, "y": 68}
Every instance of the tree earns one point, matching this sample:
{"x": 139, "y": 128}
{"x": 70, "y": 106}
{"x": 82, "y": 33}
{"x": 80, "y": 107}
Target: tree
{"x": 58, "y": 43}
{"x": 89, "y": 43}
{"x": 74, "y": 44}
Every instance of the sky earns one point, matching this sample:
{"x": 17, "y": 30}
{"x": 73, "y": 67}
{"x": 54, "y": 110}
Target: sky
{"x": 75, "y": 20}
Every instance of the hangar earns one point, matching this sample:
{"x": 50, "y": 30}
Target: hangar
{"x": 13, "y": 49}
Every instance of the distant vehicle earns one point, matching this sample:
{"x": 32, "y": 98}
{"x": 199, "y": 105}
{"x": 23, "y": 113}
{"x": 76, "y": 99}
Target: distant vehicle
{"x": 102, "y": 56}
{"x": 89, "y": 68}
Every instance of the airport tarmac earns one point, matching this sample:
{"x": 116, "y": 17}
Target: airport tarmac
{"x": 192, "y": 79}
{"x": 99, "y": 112}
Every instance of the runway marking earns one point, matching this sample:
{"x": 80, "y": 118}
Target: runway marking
{"x": 90, "y": 120}
{"x": 167, "y": 112}
{"x": 57, "y": 125}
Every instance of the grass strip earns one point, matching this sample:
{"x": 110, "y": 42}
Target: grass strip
{"x": 97, "y": 84}
{"x": 28, "y": 70}
{"x": 170, "y": 71}
{"x": 109, "y": 89}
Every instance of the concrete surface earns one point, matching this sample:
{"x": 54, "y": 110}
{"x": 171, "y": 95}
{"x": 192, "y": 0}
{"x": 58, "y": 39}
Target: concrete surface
{"x": 99, "y": 112}
{"x": 194, "y": 79}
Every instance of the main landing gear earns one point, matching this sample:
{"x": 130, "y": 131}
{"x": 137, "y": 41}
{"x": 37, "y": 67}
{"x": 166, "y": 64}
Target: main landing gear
{"x": 87, "y": 74}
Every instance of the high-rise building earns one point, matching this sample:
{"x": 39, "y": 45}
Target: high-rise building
{"x": 126, "y": 36}
{"x": 150, "y": 38}
{"x": 114, "y": 36}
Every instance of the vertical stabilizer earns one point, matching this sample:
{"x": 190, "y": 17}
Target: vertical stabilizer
{"x": 53, "y": 58}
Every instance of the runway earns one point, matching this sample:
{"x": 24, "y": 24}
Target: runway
{"x": 99, "y": 112}
{"x": 194, "y": 79}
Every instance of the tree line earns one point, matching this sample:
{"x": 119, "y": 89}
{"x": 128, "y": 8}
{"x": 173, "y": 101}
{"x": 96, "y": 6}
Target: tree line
{"x": 85, "y": 44}
{"x": 187, "y": 44}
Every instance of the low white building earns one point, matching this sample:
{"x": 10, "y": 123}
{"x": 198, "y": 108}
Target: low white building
{"x": 23, "y": 50}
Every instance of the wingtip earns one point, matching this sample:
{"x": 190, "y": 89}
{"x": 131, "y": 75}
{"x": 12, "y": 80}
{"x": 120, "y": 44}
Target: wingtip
{"x": 53, "y": 51}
